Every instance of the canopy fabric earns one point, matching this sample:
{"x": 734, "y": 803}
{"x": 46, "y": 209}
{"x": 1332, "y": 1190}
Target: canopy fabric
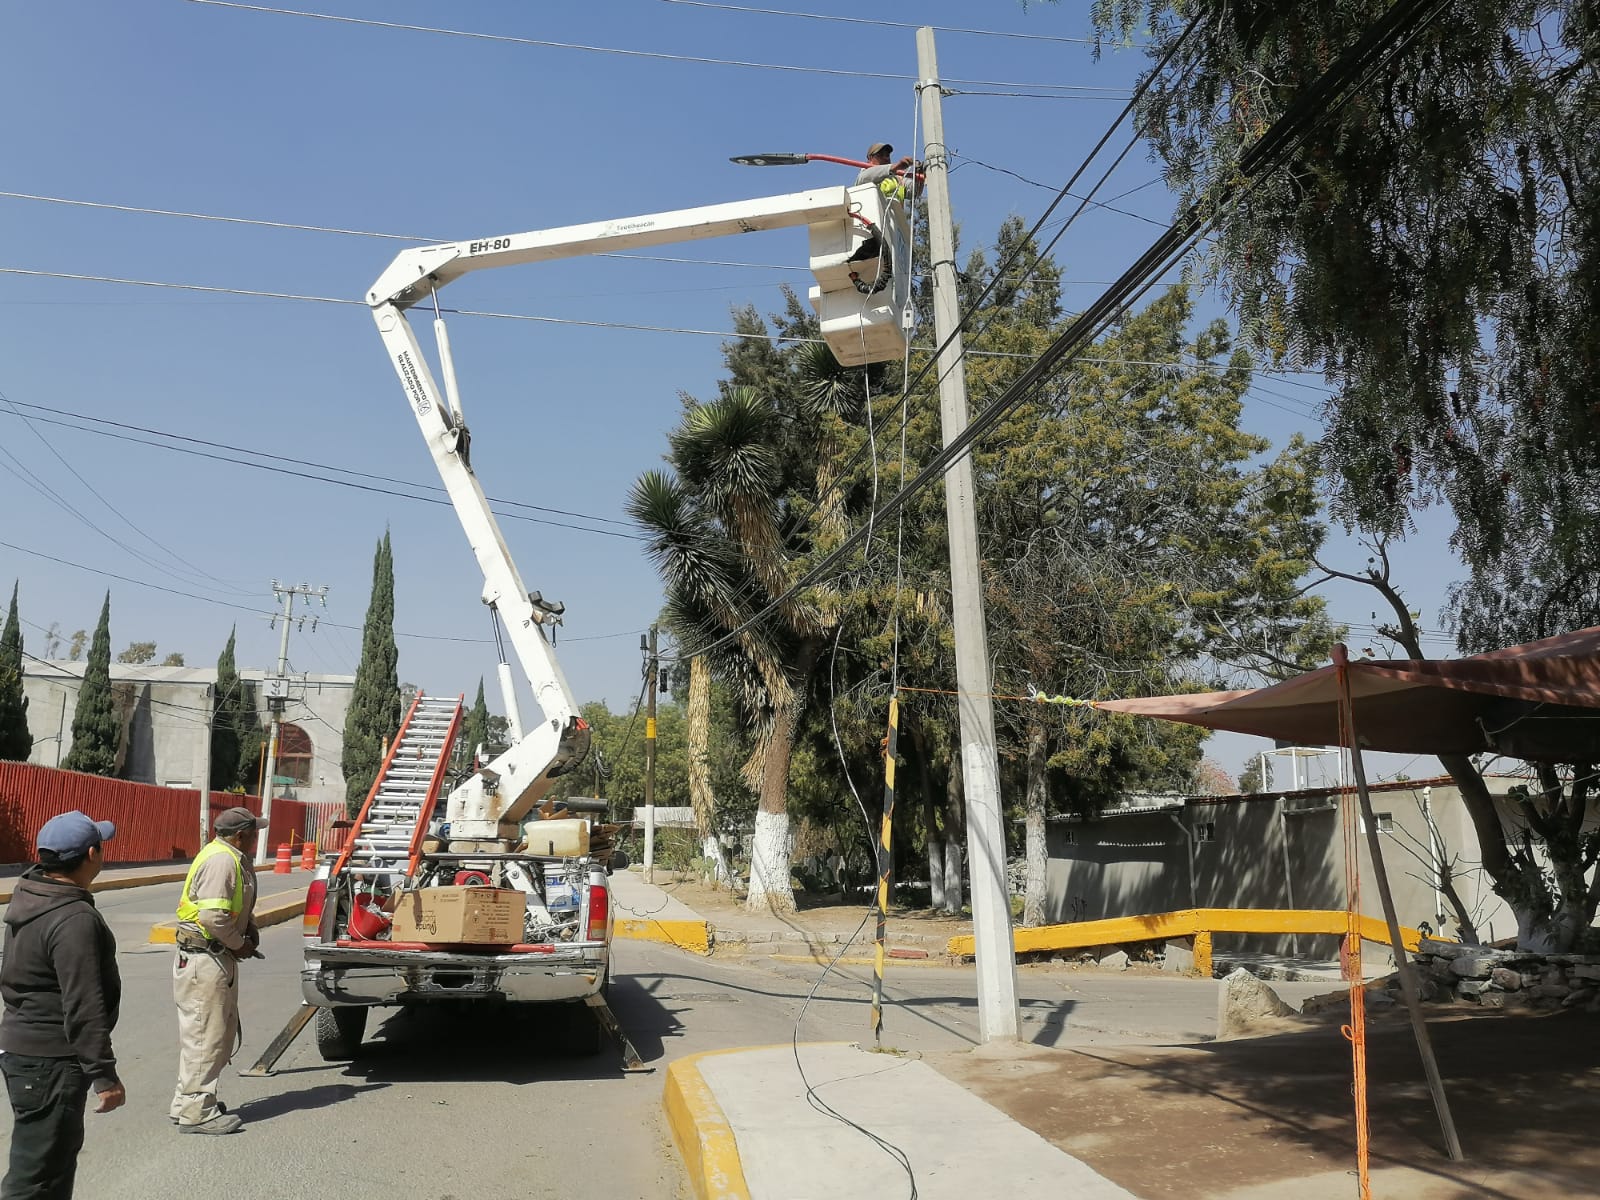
{"x": 1539, "y": 701}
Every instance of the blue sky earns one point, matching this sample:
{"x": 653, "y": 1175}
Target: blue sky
{"x": 208, "y": 108}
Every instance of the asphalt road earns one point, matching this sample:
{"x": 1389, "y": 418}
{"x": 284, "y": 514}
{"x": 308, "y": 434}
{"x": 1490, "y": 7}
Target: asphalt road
{"x": 451, "y": 1104}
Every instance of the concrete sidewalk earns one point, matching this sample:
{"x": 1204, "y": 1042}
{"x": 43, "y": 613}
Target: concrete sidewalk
{"x": 111, "y": 879}
{"x": 753, "y": 1124}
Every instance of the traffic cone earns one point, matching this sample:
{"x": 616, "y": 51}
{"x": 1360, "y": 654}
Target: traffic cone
{"x": 284, "y": 864}
{"x": 308, "y": 857}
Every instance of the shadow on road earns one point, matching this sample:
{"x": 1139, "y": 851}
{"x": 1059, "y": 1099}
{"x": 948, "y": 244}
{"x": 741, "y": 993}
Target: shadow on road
{"x": 321, "y": 1096}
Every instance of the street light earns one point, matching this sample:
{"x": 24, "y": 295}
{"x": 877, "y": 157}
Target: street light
{"x": 793, "y": 160}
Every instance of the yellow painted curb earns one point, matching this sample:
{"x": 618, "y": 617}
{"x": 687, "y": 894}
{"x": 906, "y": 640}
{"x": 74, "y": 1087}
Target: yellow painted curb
{"x": 702, "y": 1134}
{"x": 694, "y": 936}
{"x": 272, "y": 910}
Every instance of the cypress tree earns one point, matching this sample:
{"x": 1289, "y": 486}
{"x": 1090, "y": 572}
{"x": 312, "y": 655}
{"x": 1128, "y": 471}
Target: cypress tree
{"x": 247, "y": 728}
{"x": 95, "y": 728}
{"x": 375, "y": 701}
{"x": 224, "y": 721}
{"x": 475, "y": 729}
{"x": 15, "y": 740}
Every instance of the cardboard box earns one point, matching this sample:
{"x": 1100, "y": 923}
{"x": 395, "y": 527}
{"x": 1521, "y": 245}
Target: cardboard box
{"x": 479, "y": 916}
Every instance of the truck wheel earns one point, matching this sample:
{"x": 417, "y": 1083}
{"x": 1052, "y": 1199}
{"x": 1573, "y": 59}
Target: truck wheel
{"x": 339, "y": 1032}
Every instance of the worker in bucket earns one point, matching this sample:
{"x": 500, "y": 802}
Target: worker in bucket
{"x": 891, "y": 178}
{"x": 62, "y": 991}
{"x": 216, "y": 930}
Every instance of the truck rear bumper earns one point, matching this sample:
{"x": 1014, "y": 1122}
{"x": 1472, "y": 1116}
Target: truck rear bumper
{"x": 338, "y": 975}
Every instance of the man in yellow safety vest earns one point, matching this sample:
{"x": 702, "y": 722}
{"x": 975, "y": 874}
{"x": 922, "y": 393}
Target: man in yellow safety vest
{"x": 216, "y": 929}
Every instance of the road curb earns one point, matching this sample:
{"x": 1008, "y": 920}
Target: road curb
{"x": 694, "y": 936}
{"x": 273, "y": 910}
{"x": 823, "y": 960}
{"x": 701, "y": 1132}
{"x": 115, "y": 885}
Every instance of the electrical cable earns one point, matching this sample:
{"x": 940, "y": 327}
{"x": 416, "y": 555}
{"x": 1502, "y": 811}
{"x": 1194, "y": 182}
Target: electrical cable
{"x": 1088, "y": 91}
{"x": 1389, "y": 36}
{"x": 780, "y": 12}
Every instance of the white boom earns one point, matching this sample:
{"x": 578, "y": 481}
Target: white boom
{"x": 856, "y": 234}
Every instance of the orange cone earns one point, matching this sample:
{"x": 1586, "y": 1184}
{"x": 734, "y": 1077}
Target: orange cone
{"x": 284, "y": 864}
{"x": 308, "y": 857}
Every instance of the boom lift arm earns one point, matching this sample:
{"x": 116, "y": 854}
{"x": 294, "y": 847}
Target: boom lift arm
{"x": 856, "y": 233}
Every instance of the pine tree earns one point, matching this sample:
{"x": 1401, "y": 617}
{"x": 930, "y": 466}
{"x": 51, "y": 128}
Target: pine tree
{"x": 95, "y": 728}
{"x": 15, "y": 740}
{"x": 475, "y": 729}
{"x": 375, "y": 702}
{"x": 225, "y": 721}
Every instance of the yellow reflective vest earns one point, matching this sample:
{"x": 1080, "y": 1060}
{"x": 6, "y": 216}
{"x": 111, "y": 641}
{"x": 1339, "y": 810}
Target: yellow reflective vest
{"x": 189, "y": 910}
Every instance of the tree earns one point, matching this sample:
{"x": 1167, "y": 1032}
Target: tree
{"x": 80, "y": 638}
{"x": 375, "y": 710}
{"x": 252, "y": 737}
{"x": 745, "y": 466}
{"x": 1434, "y": 249}
{"x": 96, "y": 732}
{"x": 16, "y": 742}
{"x": 1256, "y": 776}
{"x": 138, "y": 653}
{"x": 175, "y": 659}
{"x": 475, "y": 729}
{"x": 225, "y": 721}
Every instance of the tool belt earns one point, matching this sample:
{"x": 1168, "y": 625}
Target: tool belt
{"x": 189, "y": 944}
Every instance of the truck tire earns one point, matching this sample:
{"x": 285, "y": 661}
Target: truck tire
{"x": 339, "y": 1032}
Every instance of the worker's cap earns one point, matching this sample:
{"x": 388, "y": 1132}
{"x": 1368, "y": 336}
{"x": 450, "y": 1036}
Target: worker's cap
{"x": 878, "y": 148}
{"x": 73, "y": 834}
{"x": 236, "y": 820}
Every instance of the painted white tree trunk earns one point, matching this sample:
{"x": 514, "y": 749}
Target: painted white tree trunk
{"x": 1034, "y": 809}
{"x": 721, "y": 874}
{"x": 935, "y": 872}
{"x": 770, "y": 854}
{"x": 954, "y": 893}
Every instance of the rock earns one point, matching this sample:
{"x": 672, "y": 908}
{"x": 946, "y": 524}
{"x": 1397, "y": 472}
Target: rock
{"x": 1578, "y": 996}
{"x": 1434, "y": 948}
{"x": 1585, "y": 971}
{"x": 1179, "y": 957}
{"x": 1471, "y": 989}
{"x": 1243, "y": 1001}
{"x": 1505, "y": 979}
{"x": 1476, "y": 965}
{"x": 1530, "y": 980}
{"x": 1552, "y": 991}
{"x": 1492, "y": 1000}
{"x": 1114, "y": 962}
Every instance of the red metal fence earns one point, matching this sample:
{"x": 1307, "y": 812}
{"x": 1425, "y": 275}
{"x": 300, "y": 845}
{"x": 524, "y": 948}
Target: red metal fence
{"x": 154, "y": 824}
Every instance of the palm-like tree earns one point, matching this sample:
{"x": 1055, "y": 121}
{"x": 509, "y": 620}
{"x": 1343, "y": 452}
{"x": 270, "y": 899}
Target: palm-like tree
{"x": 748, "y": 470}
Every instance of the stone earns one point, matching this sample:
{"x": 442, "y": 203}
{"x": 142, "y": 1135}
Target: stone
{"x": 1585, "y": 971}
{"x": 1530, "y": 979}
{"x": 1471, "y": 989}
{"x": 1492, "y": 1000}
{"x": 1179, "y": 957}
{"x": 1432, "y": 947}
{"x": 1243, "y": 1001}
{"x": 1552, "y": 991}
{"x": 1476, "y": 965}
{"x": 1117, "y": 961}
{"x": 1505, "y": 979}
{"x": 1578, "y": 996}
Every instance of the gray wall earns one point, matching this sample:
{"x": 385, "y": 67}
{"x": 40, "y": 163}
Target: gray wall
{"x": 1132, "y": 863}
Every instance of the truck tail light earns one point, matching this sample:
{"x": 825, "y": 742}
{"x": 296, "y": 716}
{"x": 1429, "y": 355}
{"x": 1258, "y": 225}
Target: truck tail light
{"x": 599, "y": 911}
{"x": 316, "y": 900}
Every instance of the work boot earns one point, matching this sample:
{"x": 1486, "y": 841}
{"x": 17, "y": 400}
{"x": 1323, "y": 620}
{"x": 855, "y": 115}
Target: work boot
{"x": 221, "y": 1108}
{"x": 221, "y": 1123}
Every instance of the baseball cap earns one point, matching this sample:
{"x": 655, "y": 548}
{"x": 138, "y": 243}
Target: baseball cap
{"x": 236, "y": 820}
{"x": 73, "y": 834}
{"x": 879, "y": 148}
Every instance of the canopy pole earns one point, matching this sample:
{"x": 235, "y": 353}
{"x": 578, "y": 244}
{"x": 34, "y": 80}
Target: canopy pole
{"x": 1403, "y": 964}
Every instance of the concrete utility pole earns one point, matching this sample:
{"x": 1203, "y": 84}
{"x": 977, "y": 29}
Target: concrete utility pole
{"x": 980, "y": 772}
{"x": 277, "y": 690}
{"x": 205, "y": 768}
{"x": 650, "y": 668}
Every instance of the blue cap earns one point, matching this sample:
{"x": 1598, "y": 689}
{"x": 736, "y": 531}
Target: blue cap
{"x": 74, "y": 834}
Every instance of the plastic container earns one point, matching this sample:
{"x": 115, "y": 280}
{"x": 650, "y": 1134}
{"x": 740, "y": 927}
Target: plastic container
{"x": 367, "y": 921}
{"x": 560, "y": 894}
{"x": 567, "y": 838}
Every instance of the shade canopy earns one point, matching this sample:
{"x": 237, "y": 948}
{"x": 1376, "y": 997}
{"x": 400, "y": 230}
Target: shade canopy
{"x": 1539, "y": 701}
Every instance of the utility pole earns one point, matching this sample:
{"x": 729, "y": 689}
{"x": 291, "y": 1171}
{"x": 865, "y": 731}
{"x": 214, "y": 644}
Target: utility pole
{"x": 650, "y": 668}
{"x": 277, "y": 691}
{"x": 980, "y": 772}
{"x": 205, "y": 768}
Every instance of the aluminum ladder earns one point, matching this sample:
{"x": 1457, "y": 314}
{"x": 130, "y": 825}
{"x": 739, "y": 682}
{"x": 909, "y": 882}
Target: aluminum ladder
{"x": 387, "y": 837}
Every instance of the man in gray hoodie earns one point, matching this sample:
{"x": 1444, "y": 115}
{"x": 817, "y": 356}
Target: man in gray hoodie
{"x": 62, "y": 991}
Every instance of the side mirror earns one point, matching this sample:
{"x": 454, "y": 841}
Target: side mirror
{"x": 619, "y": 861}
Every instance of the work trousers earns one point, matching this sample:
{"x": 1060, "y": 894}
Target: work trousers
{"x": 206, "y": 990}
{"x": 47, "y": 1099}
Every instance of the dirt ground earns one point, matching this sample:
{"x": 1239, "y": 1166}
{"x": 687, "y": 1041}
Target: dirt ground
{"x": 1271, "y": 1116}
{"x": 824, "y": 914}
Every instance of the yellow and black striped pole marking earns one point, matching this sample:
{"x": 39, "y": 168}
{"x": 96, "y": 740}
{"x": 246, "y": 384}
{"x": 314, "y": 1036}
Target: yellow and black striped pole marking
{"x": 885, "y": 864}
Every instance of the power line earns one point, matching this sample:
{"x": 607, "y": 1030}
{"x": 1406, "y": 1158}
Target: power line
{"x": 1050, "y": 187}
{"x": 1088, "y": 91}
{"x": 782, "y": 12}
